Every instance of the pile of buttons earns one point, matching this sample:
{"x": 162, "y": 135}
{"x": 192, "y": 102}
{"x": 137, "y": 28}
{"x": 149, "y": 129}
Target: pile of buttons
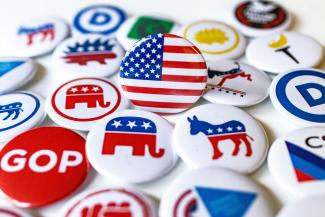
{"x": 124, "y": 75}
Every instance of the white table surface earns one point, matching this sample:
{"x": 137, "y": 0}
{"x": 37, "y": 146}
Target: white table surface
{"x": 309, "y": 18}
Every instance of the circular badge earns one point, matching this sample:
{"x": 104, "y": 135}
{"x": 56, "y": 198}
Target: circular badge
{"x": 12, "y": 212}
{"x": 215, "y": 40}
{"x": 88, "y": 55}
{"x": 214, "y": 192}
{"x": 300, "y": 95}
{"x": 278, "y": 53}
{"x": 99, "y": 19}
{"x": 15, "y": 72}
{"x": 50, "y": 160}
{"x": 79, "y": 103}
{"x": 258, "y": 18}
{"x": 19, "y": 111}
{"x": 133, "y": 146}
{"x": 297, "y": 160}
{"x": 111, "y": 202}
{"x": 235, "y": 83}
{"x": 163, "y": 73}
{"x": 37, "y": 37}
{"x": 138, "y": 27}
{"x": 220, "y": 135}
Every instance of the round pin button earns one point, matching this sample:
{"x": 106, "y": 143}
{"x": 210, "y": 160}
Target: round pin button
{"x": 111, "y": 202}
{"x": 215, "y": 40}
{"x": 214, "y": 192}
{"x": 19, "y": 111}
{"x": 79, "y": 103}
{"x": 37, "y": 37}
{"x": 220, "y": 135}
{"x": 99, "y": 19}
{"x": 297, "y": 160}
{"x": 132, "y": 146}
{"x": 138, "y": 27}
{"x": 15, "y": 72}
{"x": 12, "y": 212}
{"x": 259, "y": 18}
{"x": 278, "y": 53}
{"x": 163, "y": 73}
{"x": 51, "y": 161}
{"x": 235, "y": 83}
{"x": 88, "y": 55}
{"x": 300, "y": 95}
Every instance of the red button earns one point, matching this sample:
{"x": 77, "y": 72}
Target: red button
{"x": 42, "y": 165}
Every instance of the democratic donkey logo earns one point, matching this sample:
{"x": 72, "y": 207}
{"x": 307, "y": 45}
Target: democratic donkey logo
{"x": 11, "y": 110}
{"x": 46, "y": 31}
{"x": 135, "y": 132}
{"x": 233, "y": 130}
{"x": 112, "y": 209}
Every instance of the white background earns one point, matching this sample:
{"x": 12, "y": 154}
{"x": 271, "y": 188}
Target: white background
{"x": 308, "y": 18}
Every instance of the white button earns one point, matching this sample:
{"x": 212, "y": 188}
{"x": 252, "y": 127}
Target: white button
{"x": 132, "y": 146}
{"x": 259, "y": 18}
{"x": 79, "y": 103}
{"x": 138, "y": 27}
{"x": 88, "y": 55}
{"x": 19, "y": 111}
{"x": 297, "y": 161}
{"x": 300, "y": 96}
{"x": 15, "y": 72}
{"x": 115, "y": 202}
{"x": 13, "y": 212}
{"x": 235, "y": 83}
{"x": 222, "y": 136}
{"x": 214, "y": 192}
{"x": 278, "y": 53}
{"x": 37, "y": 37}
{"x": 215, "y": 40}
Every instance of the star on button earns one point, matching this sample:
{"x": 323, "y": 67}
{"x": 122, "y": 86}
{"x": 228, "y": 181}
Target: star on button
{"x": 229, "y": 128}
{"x": 95, "y": 89}
{"x": 116, "y": 124}
{"x": 131, "y": 124}
{"x": 74, "y": 89}
{"x": 219, "y": 130}
{"x": 239, "y": 128}
{"x": 146, "y": 125}
{"x": 84, "y": 89}
{"x": 210, "y": 131}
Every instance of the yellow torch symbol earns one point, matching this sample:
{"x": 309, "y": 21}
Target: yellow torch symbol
{"x": 281, "y": 45}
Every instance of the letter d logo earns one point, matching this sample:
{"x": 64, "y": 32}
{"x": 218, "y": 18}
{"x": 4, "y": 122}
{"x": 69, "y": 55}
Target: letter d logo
{"x": 312, "y": 99}
{"x": 100, "y": 18}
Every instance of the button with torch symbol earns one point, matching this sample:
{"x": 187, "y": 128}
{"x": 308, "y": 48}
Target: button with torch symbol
{"x": 283, "y": 52}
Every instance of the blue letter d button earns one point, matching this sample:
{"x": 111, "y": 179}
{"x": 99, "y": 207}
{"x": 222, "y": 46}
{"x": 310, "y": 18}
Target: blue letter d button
{"x": 312, "y": 100}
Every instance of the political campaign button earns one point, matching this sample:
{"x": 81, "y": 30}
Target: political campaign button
{"x": 278, "y": 53}
{"x": 235, "y": 83}
{"x": 297, "y": 160}
{"x": 138, "y": 27}
{"x": 312, "y": 206}
{"x": 36, "y": 37}
{"x": 215, "y": 40}
{"x": 222, "y": 136}
{"x": 88, "y": 55}
{"x": 119, "y": 202}
{"x": 132, "y": 146}
{"x": 51, "y": 161}
{"x": 99, "y": 19}
{"x": 163, "y": 73}
{"x": 15, "y": 72}
{"x": 214, "y": 192}
{"x": 300, "y": 95}
{"x": 19, "y": 111}
{"x": 13, "y": 212}
{"x": 79, "y": 103}
{"x": 259, "y": 18}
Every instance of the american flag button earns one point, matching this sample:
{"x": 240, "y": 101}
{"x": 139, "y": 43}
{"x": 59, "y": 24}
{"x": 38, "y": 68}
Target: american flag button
{"x": 132, "y": 146}
{"x": 88, "y": 55}
{"x": 13, "y": 212}
{"x": 163, "y": 73}
{"x": 79, "y": 103}
{"x": 220, "y": 136}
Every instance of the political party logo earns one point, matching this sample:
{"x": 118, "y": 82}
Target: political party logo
{"x": 234, "y": 131}
{"x": 282, "y": 46}
{"x": 210, "y": 36}
{"x": 145, "y": 26}
{"x": 45, "y": 32}
{"x": 228, "y": 75}
{"x": 158, "y": 75}
{"x": 214, "y": 202}
{"x": 8, "y": 66}
{"x": 261, "y": 14}
{"x": 135, "y": 132}
{"x": 99, "y": 19}
{"x": 307, "y": 166}
{"x": 97, "y": 51}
